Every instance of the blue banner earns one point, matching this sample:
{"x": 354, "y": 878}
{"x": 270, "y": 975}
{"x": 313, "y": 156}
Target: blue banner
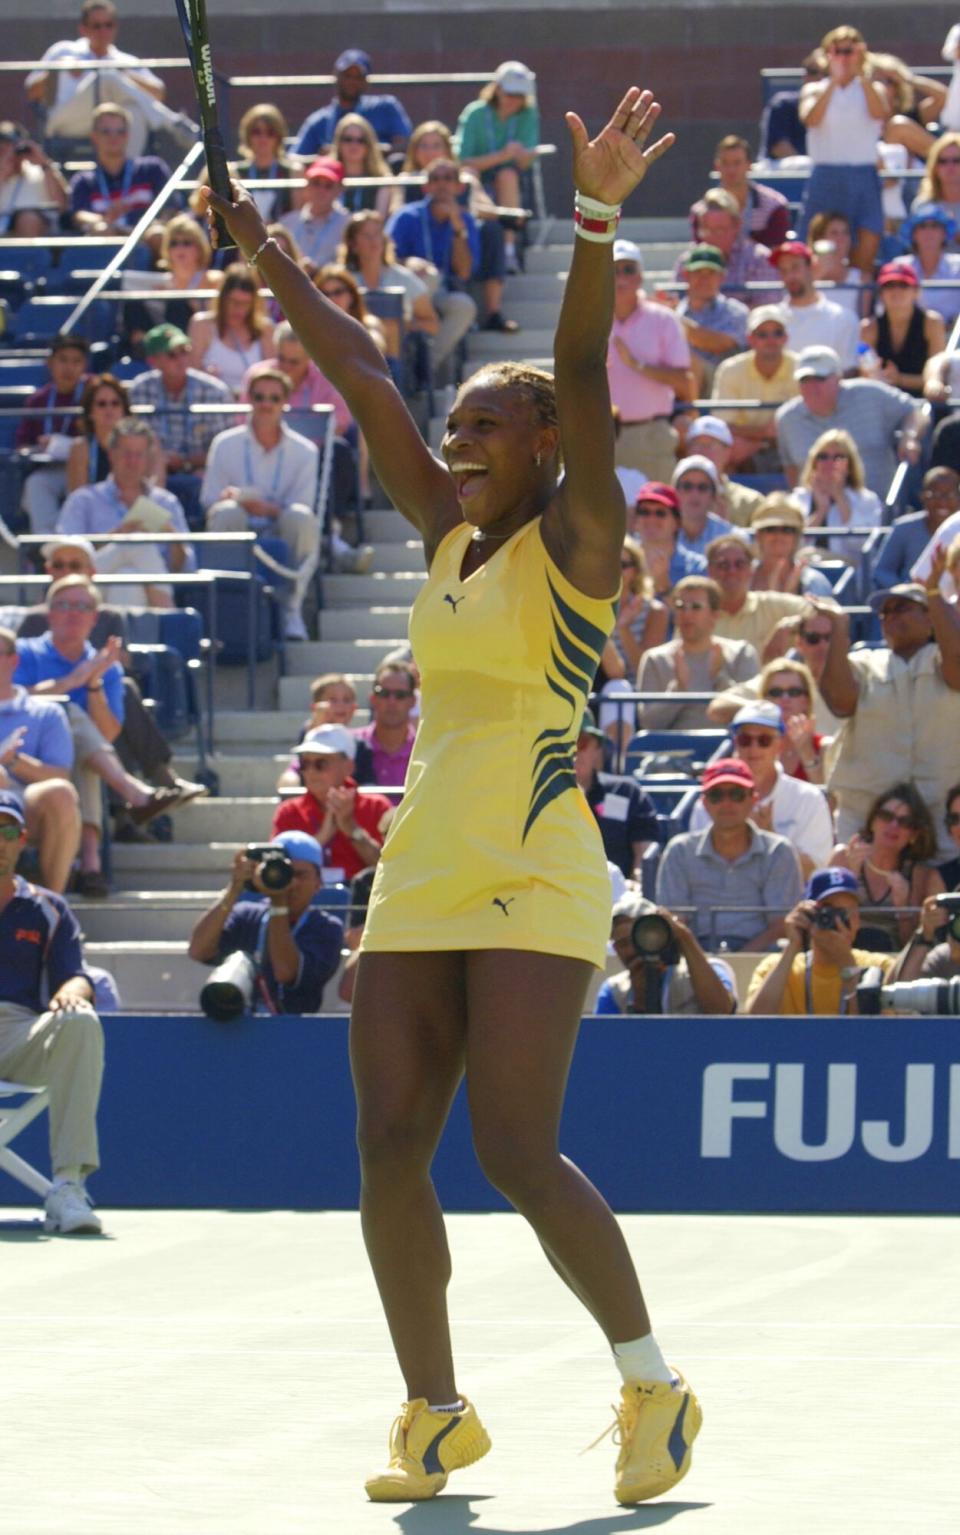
{"x": 664, "y": 1114}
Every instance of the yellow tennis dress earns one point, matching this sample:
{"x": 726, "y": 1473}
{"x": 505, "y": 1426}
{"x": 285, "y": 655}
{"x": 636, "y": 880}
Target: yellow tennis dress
{"x": 494, "y": 845}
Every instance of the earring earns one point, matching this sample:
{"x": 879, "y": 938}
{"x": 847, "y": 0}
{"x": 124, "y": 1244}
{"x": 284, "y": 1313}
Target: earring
{"x": 538, "y": 459}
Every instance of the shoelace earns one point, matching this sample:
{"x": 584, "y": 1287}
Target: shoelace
{"x": 397, "y": 1442}
{"x": 624, "y": 1418}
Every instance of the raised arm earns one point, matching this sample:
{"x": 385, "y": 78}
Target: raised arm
{"x": 586, "y": 533}
{"x": 417, "y": 484}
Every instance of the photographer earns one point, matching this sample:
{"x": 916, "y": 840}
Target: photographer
{"x": 687, "y": 980}
{"x": 931, "y": 952}
{"x": 818, "y": 970}
{"x": 296, "y": 945}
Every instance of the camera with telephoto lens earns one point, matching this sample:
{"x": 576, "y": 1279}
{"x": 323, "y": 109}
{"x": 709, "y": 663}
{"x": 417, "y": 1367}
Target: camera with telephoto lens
{"x": 274, "y": 866}
{"x": 951, "y": 905}
{"x": 932, "y": 998}
{"x": 229, "y": 992}
{"x": 652, "y": 937}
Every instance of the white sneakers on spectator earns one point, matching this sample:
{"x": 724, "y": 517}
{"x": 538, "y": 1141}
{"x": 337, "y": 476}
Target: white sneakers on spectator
{"x": 69, "y": 1210}
{"x": 294, "y": 627}
{"x": 347, "y": 560}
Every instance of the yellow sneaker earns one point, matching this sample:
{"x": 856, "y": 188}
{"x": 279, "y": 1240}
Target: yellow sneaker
{"x": 425, "y": 1447}
{"x": 655, "y": 1428}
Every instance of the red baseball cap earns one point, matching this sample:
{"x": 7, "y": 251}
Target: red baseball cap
{"x": 893, "y": 272}
{"x": 660, "y": 494}
{"x": 324, "y": 168}
{"x": 728, "y": 770}
{"x": 791, "y": 248}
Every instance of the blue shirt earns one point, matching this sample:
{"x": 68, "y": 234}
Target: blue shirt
{"x": 48, "y": 735}
{"x": 714, "y": 527}
{"x": 39, "y": 946}
{"x": 726, "y": 315}
{"x": 41, "y": 661}
{"x": 416, "y": 232}
{"x": 685, "y": 562}
{"x": 385, "y": 115}
{"x": 317, "y": 935}
{"x": 99, "y": 509}
{"x": 907, "y": 540}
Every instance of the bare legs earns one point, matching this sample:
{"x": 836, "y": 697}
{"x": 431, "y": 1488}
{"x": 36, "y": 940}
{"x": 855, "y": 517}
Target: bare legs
{"x": 512, "y": 1018}
{"x": 53, "y": 825}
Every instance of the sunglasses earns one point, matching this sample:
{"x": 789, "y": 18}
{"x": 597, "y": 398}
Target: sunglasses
{"x": 109, "y": 402}
{"x": 380, "y": 692}
{"x": 11, "y": 833}
{"x": 355, "y": 138}
{"x": 101, "y": 26}
{"x": 811, "y": 637}
{"x": 953, "y": 819}
{"x": 628, "y": 565}
{"x": 701, "y": 487}
{"x": 181, "y": 242}
{"x": 843, "y": 50}
{"x": 730, "y": 564}
{"x": 262, "y": 131}
{"x": 762, "y": 738}
{"x": 775, "y": 333}
{"x": 653, "y": 511}
{"x": 948, "y": 160}
{"x": 890, "y": 818}
{"x": 335, "y": 292}
{"x": 733, "y": 791}
{"x": 684, "y": 605}
{"x": 266, "y": 399}
{"x": 69, "y": 569}
{"x": 63, "y": 606}
{"x": 892, "y": 609}
{"x": 316, "y": 764}
{"x": 626, "y": 269}
{"x": 831, "y": 458}
{"x": 787, "y": 693}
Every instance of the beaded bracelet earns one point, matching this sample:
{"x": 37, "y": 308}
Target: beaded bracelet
{"x": 595, "y": 221}
{"x": 252, "y": 260}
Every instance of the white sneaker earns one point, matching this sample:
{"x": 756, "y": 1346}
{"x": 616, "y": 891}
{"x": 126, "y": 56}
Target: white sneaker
{"x": 69, "y": 1209}
{"x": 294, "y": 627}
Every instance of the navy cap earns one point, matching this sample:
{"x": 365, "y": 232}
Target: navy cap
{"x": 300, "y": 846}
{"x": 353, "y": 58}
{"x": 830, "y": 882}
{"x": 10, "y": 805}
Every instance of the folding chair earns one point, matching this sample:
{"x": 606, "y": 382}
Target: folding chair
{"x": 12, "y": 1121}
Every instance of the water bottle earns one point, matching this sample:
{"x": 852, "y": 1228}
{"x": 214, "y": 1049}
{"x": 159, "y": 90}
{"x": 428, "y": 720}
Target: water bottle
{"x": 868, "y": 362}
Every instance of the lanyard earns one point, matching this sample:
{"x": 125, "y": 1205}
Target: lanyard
{"x": 426, "y": 223}
{"x": 261, "y": 954}
{"x": 277, "y": 468}
{"x": 93, "y": 462}
{"x": 66, "y": 422}
{"x": 126, "y": 181}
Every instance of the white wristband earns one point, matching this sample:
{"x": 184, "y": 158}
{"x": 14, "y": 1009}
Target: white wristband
{"x": 597, "y": 222}
{"x": 589, "y": 205}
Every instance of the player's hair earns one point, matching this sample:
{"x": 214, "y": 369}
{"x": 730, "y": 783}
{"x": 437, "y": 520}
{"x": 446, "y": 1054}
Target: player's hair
{"x": 535, "y": 384}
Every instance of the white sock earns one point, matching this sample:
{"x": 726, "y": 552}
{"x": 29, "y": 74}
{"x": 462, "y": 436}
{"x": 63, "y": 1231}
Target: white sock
{"x": 456, "y": 1406}
{"x": 641, "y": 1359}
{"x": 67, "y": 1175}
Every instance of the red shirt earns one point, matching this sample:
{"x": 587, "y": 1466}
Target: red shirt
{"x": 371, "y": 811}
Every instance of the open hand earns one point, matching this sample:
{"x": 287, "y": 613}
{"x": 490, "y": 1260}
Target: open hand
{"x": 608, "y": 167}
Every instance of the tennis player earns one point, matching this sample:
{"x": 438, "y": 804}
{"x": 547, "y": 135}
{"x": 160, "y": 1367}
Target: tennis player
{"x": 491, "y": 901}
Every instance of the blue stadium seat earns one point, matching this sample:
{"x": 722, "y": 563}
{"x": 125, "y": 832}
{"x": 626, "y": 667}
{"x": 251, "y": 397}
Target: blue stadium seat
{"x": 169, "y": 646}
{"x": 23, "y": 370}
{"x": 766, "y": 484}
{"x": 31, "y": 261}
{"x": 14, "y": 288}
{"x": 698, "y": 746}
{"x": 39, "y": 319}
{"x": 12, "y": 397}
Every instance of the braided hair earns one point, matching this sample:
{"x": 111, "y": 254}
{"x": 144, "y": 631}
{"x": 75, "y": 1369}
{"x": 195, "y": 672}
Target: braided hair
{"x": 534, "y": 385}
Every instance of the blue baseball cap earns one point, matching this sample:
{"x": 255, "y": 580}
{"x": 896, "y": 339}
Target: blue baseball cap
{"x": 761, "y": 713}
{"x": 10, "y": 805}
{"x": 831, "y": 882}
{"x": 300, "y": 846}
{"x": 353, "y": 58}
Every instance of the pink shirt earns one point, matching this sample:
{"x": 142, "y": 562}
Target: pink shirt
{"x": 389, "y": 768}
{"x": 316, "y": 389}
{"x": 655, "y": 336}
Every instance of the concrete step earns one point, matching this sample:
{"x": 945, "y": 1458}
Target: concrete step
{"x": 405, "y": 556}
{"x": 539, "y": 286}
{"x": 393, "y": 588}
{"x": 256, "y": 772}
{"x": 488, "y": 345}
{"x": 385, "y": 526}
{"x": 357, "y": 657}
{"x": 226, "y": 819}
{"x": 238, "y": 725}
{"x": 530, "y": 314}
{"x": 368, "y": 624}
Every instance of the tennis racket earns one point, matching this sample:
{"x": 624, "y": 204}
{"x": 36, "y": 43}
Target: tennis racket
{"x": 193, "y": 24}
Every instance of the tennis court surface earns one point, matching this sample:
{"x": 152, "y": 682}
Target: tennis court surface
{"x": 211, "y": 1372}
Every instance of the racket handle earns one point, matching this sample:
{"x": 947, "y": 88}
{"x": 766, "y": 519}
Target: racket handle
{"x": 219, "y": 174}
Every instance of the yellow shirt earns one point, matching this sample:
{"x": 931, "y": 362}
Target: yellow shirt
{"x": 758, "y": 617}
{"x": 826, "y": 983}
{"x": 738, "y": 378}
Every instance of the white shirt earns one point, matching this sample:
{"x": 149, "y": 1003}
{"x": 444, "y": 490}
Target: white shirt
{"x": 866, "y": 511}
{"x": 846, "y": 134}
{"x": 800, "y": 813}
{"x": 286, "y": 474}
{"x": 823, "y": 324}
{"x": 79, "y": 49}
{"x": 942, "y": 538}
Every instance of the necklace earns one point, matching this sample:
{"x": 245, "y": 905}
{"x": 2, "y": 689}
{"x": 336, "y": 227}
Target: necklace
{"x": 480, "y": 537}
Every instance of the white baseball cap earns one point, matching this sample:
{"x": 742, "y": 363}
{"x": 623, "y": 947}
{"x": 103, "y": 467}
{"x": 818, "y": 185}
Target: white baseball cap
{"x": 325, "y": 740}
{"x": 515, "y": 79}
{"x": 68, "y": 541}
{"x": 626, "y": 250}
{"x": 711, "y": 426}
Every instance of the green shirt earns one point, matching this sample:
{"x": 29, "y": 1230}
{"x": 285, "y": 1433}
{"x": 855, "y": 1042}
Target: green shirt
{"x": 481, "y": 131}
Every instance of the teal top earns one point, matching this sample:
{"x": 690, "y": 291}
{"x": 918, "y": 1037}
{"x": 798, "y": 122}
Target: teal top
{"x": 480, "y": 131}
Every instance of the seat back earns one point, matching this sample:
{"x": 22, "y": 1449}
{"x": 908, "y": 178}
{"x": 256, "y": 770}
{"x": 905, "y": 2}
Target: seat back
{"x": 694, "y": 746}
{"x": 13, "y": 1119}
